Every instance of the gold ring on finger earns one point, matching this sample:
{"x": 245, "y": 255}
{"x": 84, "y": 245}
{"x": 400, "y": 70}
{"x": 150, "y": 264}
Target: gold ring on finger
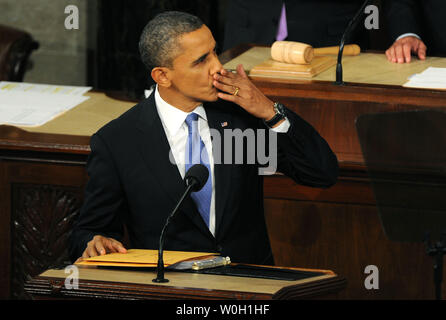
{"x": 236, "y": 91}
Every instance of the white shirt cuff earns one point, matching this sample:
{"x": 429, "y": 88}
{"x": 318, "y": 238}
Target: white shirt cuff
{"x": 409, "y": 34}
{"x": 283, "y": 127}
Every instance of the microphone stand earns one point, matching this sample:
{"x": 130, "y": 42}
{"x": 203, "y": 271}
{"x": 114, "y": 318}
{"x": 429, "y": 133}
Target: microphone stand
{"x": 160, "y": 267}
{"x": 352, "y": 25}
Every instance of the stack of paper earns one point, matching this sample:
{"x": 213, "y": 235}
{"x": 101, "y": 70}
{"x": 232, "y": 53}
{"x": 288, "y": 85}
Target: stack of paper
{"x": 27, "y": 104}
{"x": 431, "y": 78}
{"x": 142, "y": 258}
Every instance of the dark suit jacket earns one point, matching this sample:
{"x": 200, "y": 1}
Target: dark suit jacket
{"x": 319, "y": 23}
{"x": 423, "y": 17}
{"x": 132, "y": 182}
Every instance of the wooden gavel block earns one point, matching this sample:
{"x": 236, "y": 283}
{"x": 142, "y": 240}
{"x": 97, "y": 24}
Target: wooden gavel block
{"x": 302, "y": 53}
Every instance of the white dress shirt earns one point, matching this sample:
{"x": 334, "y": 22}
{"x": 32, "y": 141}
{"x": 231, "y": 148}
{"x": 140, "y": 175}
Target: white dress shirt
{"x": 175, "y": 127}
{"x": 408, "y": 35}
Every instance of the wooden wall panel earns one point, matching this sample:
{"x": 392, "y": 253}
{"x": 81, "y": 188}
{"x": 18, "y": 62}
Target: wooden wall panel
{"x": 346, "y": 237}
{"x": 42, "y": 219}
{"x": 39, "y": 204}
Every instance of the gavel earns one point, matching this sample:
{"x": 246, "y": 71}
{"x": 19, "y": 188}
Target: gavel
{"x": 302, "y": 53}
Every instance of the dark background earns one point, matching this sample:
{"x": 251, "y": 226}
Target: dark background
{"x": 115, "y": 63}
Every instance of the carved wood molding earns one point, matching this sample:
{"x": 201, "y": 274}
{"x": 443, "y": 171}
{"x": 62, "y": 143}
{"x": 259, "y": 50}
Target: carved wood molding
{"x": 53, "y": 288}
{"x": 42, "y": 218}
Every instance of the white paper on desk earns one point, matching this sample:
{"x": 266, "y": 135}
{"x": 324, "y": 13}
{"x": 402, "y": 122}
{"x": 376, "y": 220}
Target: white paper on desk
{"x": 24, "y": 116}
{"x": 436, "y": 73}
{"x": 431, "y": 78}
{"x": 34, "y": 108}
{"x": 43, "y": 88}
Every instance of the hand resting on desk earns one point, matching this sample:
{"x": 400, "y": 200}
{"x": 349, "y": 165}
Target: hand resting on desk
{"x": 402, "y": 49}
{"x": 101, "y": 245}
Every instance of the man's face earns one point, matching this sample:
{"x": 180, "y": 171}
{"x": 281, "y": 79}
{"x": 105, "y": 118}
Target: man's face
{"x": 192, "y": 73}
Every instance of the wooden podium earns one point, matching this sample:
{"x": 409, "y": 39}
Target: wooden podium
{"x": 99, "y": 283}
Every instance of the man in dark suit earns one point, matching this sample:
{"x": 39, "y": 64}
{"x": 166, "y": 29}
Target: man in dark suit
{"x": 415, "y": 26}
{"x": 138, "y": 161}
{"x": 319, "y": 23}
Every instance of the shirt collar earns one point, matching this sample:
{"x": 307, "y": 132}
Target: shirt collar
{"x": 172, "y": 117}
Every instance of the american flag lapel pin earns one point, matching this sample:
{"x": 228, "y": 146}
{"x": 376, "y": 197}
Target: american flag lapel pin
{"x": 224, "y": 124}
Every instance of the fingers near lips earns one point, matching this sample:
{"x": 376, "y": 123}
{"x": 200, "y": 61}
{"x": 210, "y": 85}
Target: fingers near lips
{"x": 224, "y": 87}
{"x": 225, "y": 78}
{"x": 226, "y": 82}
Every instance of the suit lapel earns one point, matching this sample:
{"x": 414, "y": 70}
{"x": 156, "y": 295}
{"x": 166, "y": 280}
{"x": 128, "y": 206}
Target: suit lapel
{"x": 155, "y": 148}
{"x": 219, "y": 120}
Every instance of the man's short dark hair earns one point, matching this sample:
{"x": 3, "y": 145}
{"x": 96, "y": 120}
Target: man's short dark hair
{"x": 159, "y": 42}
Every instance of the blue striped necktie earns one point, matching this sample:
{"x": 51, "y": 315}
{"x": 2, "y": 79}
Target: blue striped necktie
{"x": 194, "y": 148}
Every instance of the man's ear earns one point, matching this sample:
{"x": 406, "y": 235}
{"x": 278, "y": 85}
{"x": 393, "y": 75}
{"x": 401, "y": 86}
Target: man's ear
{"x": 161, "y": 76}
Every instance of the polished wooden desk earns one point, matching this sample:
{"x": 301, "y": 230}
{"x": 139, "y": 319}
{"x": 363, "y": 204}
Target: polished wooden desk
{"x": 97, "y": 283}
{"x": 42, "y": 177}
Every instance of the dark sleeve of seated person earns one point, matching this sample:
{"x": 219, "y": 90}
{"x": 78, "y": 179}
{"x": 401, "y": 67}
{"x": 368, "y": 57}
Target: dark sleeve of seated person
{"x": 415, "y": 28}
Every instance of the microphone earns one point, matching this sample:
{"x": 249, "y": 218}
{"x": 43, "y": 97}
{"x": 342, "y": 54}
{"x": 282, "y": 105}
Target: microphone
{"x": 351, "y": 26}
{"x": 195, "y": 179}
